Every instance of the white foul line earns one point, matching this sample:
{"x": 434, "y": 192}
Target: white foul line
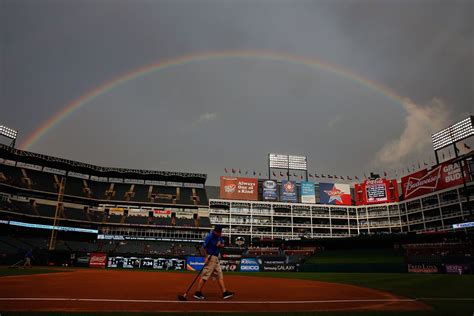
{"x": 224, "y": 302}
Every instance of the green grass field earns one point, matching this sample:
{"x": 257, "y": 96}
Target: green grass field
{"x": 440, "y": 291}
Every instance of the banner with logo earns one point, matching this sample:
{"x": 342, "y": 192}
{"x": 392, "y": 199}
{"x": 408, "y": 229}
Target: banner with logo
{"x": 444, "y": 176}
{"x": 376, "y": 191}
{"x": 270, "y": 190}
{"x": 195, "y": 263}
{"x": 161, "y": 213}
{"x": 279, "y": 267}
{"x": 335, "y": 193}
{"x": 98, "y": 260}
{"x": 239, "y": 188}
{"x": 229, "y": 265}
{"x": 249, "y": 265}
{"x": 308, "y": 193}
{"x": 457, "y": 268}
{"x": 423, "y": 268}
{"x": 288, "y": 191}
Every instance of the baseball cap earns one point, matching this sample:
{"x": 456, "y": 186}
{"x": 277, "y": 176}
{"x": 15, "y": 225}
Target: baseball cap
{"x": 218, "y": 228}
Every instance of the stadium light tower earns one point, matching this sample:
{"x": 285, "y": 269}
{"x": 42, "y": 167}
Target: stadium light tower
{"x": 287, "y": 162}
{"x": 450, "y": 136}
{"x": 9, "y": 133}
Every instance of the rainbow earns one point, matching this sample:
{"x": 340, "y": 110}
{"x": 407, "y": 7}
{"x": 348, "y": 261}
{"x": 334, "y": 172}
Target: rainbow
{"x": 75, "y": 105}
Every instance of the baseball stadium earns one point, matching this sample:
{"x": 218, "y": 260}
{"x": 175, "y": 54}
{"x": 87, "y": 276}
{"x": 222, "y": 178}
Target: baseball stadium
{"x": 87, "y": 239}
{"x": 237, "y": 157}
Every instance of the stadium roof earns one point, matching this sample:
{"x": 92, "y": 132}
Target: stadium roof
{"x": 71, "y": 165}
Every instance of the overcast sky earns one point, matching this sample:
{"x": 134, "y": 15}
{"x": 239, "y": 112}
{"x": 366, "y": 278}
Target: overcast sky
{"x": 230, "y": 113}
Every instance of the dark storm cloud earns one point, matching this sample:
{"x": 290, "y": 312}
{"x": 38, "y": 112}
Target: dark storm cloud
{"x": 217, "y": 114}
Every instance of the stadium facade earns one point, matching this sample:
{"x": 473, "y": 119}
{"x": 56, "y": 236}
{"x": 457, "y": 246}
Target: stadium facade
{"x": 49, "y": 193}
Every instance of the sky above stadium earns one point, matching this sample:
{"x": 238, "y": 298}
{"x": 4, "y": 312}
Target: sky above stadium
{"x": 357, "y": 86}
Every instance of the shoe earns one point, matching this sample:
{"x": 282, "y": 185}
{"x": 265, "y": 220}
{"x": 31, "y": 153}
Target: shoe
{"x": 198, "y": 295}
{"x": 227, "y": 294}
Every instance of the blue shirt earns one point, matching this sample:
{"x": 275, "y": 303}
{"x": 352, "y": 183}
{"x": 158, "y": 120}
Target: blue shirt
{"x": 210, "y": 244}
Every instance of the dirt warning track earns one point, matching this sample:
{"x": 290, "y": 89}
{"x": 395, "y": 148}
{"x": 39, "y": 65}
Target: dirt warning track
{"x": 134, "y": 291}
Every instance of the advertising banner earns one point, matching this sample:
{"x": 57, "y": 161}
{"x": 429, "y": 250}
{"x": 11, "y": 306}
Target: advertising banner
{"x": 270, "y": 190}
{"x": 194, "y": 263}
{"x": 288, "y": 191}
{"x": 116, "y": 211}
{"x": 376, "y": 191}
{"x": 249, "y": 265}
{"x": 98, "y": 260}
{"x": 161, "y": 213}
{"x": 463, "y": 225}
{"x": 423, "y": 268}
{"x": 335, "y": 193}
{"x": 273, "y": 260}
{"x": 457, "y": 268}
{"x": 444, "y": 176}
{"x": 279, "y": 267}
{"x": 29, "y": 166}
{"x": 229, "y": 265}
{"x": 137, "y": 212}
{"x": 308, "y": 193}
{"x": 239, "y": 188}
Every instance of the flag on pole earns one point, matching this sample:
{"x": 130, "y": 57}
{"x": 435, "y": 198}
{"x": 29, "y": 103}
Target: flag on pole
{"x": 240, "y": 172}
{"x": 385, "y": 174}
{"x": 310, "y": 175}
{"x": 233, "y": 171}
{"x": 317, "y": 176}
{"x": 225, "y": 170}
{"x": 323, "y": 176}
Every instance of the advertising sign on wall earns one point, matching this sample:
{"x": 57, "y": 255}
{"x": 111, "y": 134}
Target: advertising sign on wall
{"x": 444, "y": 176}
{"x": 194, "y": 263}
{"x": 423, "y": 268}
{"x": 279, "y": 267}
{"x": 308, "y": 194}
{"x": 335, "y": 193}
{"x": 239, "y": 188}
{"x": 229, "y": 265}
{"x": 288, "y": 191}
{"x": 457, "y": 268}
{"x": 161, "y": 213}
{"x": 249, "y": 265}
{"x": 376, "y": 191}
{"x": 97, "y": 260}
{"x": 270, "y": 190}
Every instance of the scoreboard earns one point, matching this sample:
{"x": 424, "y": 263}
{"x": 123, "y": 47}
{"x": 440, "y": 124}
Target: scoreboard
{"x": 146, "y": 263}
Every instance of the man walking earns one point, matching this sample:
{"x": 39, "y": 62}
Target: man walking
{"x": 212, "y": 246}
